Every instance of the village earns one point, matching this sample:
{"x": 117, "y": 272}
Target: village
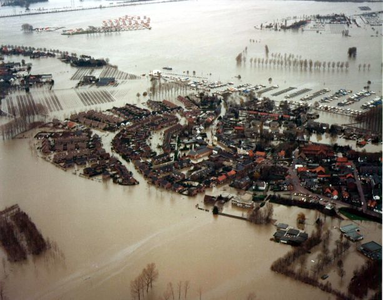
{"x": 204, "y": 141}
{"x": 338, "y": 23}
{"x": 238, "y": 148}
{"x": 208, "y": 139}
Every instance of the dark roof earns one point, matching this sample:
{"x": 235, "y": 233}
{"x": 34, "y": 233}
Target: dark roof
{"x": 372, "y": 250}
{"x": 371, "y": 246}
{"x": 282, "y": 225}
{"x": 349, "y": 227}
{"x": 293, "y": 231}
{"x": 279, "y": 234}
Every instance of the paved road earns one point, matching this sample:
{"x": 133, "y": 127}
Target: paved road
{"x": 360, "y": 189}
{"x": 298, "y": 188}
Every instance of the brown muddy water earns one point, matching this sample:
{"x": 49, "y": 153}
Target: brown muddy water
{"x": 108, "y": 233}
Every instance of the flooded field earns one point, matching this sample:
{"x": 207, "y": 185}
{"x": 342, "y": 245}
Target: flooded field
{"x": 106, "y": 233}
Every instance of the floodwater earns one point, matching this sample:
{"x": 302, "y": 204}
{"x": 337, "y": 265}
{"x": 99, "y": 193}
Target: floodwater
{"x": 108, "y": 233}
{"x": 206, "y": 36}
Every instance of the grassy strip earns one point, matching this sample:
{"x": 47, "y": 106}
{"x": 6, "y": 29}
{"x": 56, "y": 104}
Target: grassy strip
{"x": 352, "y": 216}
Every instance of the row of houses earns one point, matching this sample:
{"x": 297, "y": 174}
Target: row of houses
{"x": 68, "y": 149}
{"x": 98, "y": 120}
{"x": 163, "y": 106}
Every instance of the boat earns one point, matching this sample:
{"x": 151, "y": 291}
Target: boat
{"x": 167, "y": 68}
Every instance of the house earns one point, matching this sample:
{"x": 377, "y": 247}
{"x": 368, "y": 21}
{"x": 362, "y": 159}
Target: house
{"x": 318, "y": 151}
{"x": 353, "y": 236}
{"x": 334, "y": 194}
{"x": 231, "y": 174}
{"x": 319, "y": 170}
{"x": 349, "y": 227}
{"x": 242, "y": 183}
{"x": 372, "y": 250}
{"x": 221, "y": 179}
{"x": 260, "y": 154}
{"x": 199, "y": 153}
{"x": 103, "y": 81}
{"x": 88, "y": 79}
{"x": 290, "y": 236}
{"x": 282, "y": 226}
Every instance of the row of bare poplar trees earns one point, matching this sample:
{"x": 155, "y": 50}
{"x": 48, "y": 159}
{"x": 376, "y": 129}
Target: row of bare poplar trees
{"x": 143, "y": 282}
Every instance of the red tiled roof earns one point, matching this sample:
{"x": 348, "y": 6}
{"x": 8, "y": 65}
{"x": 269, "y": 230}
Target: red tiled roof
{"x": 260, "y": 153}
{"x": 362, "y": 143}
{"x": 318, "y": 169}
{"x": 231, "y": 173}
{"x": 259, "y": 160}
{"x": 342, "y": 159}
{"x": 71, "y": 124}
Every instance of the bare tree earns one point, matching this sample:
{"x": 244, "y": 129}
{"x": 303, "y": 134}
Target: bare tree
{"x": 2, "y": 293}
{"x": 135, "y": 289}
{"x": 341, "y": 270}
{"x": 141, "y": 283}
{"x": 166, "y": 295}
{"x": 301, "y": 218}
{"x": 150, "y": 275}
{"x": 251, "y": 296}
{"x": 186, "y": 288}
{"x": 179, "y": 285}
{"x": 171, "y": 290}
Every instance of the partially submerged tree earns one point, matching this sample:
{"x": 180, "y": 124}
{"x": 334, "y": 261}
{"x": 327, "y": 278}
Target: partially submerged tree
{"x": 150, "y": 274}
{"x": 261, "y": 215}
{"x": 186, "y": 288}
{"x": 352, "y": 52}
{"x": 144, "y": 281}
{"x": 301, "y": 218}
{"x": 26, "y": 27}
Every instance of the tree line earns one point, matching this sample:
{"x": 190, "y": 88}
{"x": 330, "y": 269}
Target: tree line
{"x": 20, "y": 236}
{"x": 140, "y": 286}
{"x": 144, "y": 281}
{"x": 290, "y": 60}
{"x": 368, "y": 276}
{"x": 180, "y": 292}
{"x": 284, "y": 265}
{"x": 325, "y": 258}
